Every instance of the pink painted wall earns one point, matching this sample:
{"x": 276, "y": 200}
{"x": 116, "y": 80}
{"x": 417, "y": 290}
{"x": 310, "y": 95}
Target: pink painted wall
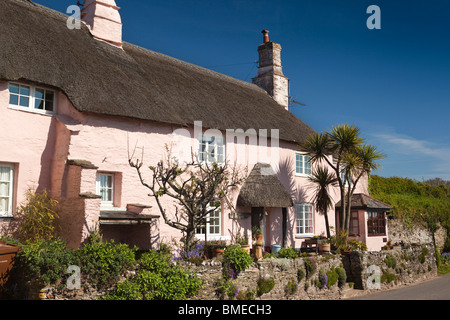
{"x": 42, "y": 149}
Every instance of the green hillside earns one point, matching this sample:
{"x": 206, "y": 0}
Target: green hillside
{"x": 413, "y": 201}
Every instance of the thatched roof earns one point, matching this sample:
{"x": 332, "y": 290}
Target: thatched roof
{"x": 363, "y": 201}
{"x": 262, "y": 188}
{"x": 37, "y": 46}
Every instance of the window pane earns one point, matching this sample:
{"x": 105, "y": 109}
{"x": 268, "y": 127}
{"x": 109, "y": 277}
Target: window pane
{"x": 13, "y": 99}
{"x": 14, "y": 88}
{"x": 49, "y": 95}
{"x": 39, "y": 104}
{"x": 24, "y": 91}
{"x": 4, "y": 205}
{"x": 24, "y": 101}
{"x": 4, "y": 189}
{"x": 39, "y": 94}
{"x": 49, "y": 105}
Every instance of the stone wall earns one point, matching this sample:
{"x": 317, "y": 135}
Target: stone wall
{"x": 415, "y": 234}
{"x": 282, "y": 271}
{"x": 390, "y": 268}
{"x": 368, "y": 271}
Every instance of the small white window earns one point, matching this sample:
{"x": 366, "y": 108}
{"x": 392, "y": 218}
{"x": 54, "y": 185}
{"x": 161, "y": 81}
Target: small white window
{"x": 6, "y": 189}
{"x": 211, "y": 149}
{"x": 213, "y": 225}
{"x": 304, "y": 220}
{"x": 29, "y": 98}
{"x": 105, "y": 188}
{"x": 302, "y": 164}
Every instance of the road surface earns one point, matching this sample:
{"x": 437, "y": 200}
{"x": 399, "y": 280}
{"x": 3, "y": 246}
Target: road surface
{"x": 435, "y": 289}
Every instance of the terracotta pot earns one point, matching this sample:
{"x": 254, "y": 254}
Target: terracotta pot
{"x": 246, "y": 247}
{"x": 324, "y": 247}
{"x": 217, "y": 252}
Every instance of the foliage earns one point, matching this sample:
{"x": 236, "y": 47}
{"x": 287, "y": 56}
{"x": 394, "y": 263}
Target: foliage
{"x": 248, "y": 294}
{"x": 300, "y": 274}
{"x": 323, "y": 279}
{"x": 333, "y": 277}
{"x": 289, "y": 253}
{"x": 37, "y": 217}
{"x": 226, "y": 287}
{"x": 156, "y": 279}
{"x": 194, "y": 254}
{"x": 310, "y": 267}
{"x": 265, "y": 285}
{"x": 291, "y": 287}
{"x": 342, "y": 277}
{"x": 237, "y": 258}
{"x": 196, "y": 187}
{"x": 422, "y": 256}
{"x": 43, "y": 261}
{"x": 103, "y": 262}
{"x": 352, "y": 159}
{"x": 413, "y": 201}
{"x": 390, "y": 261}
{"x": 322, "y": 180}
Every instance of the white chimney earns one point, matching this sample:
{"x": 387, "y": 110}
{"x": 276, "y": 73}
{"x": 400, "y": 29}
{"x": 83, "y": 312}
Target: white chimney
{"x": 270, "y": 73}
{"x": 103, "y": 19}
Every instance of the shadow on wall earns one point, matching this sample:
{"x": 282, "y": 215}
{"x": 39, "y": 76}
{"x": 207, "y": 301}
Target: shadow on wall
{"x": 286, "y": 174}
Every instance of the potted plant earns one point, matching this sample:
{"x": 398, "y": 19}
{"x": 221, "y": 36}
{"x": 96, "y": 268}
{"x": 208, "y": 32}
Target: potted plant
{"x": 242, "y": 240}
{"x": 216, "y": 248}
{"x": 257, "y": 233}
{"x": 324, "y": 245}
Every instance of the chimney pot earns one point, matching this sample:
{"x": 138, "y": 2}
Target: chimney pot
{"x": 266, "y": 35}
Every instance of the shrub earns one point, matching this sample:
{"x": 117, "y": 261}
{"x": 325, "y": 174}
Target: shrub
{"x": 342, "y": 277}
{"x": 310, "y": 266}
{"x": 323, "y": 279}
{"x": 104, "y": 262}
{"x": 156, "y": 279}
{"x": 236, "y": 258}
{"x": 289, "y": 253}
{"x": 300, "y": 274}
{"x": 248, "y": 294}
{"x": 390, "y": 261}
{"x": 333, "y": 277}
{"x": 423, "y": 255}
{"x": 264, "y": 286}
{"x": 291, "y": 287}
{"x": 44, "y": 262}
{"x": 37, "y": 217}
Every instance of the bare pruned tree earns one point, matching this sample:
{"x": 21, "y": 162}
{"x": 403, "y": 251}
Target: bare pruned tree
{"x": 197, "y": 189}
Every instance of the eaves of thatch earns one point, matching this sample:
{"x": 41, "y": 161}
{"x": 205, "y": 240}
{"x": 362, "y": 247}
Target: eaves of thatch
{"x": 263, "y": 188}
{"x": 133, "y": 82}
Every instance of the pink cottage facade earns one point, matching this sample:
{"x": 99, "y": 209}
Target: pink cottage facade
{"x": 74, "y": 101}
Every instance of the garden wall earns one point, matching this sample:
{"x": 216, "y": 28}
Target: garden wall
{"x": 395, "y": 268}
{"x": 390, "y": 268}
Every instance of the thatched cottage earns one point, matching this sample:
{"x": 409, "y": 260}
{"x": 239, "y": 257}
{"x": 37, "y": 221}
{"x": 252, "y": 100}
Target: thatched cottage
{"x": 72, "y": 100}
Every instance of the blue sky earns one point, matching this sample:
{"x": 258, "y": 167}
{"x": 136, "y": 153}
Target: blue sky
{"x": 393, "y": 82}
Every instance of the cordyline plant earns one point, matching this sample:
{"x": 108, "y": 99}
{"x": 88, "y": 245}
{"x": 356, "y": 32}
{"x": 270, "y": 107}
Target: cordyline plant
{"x": 349, "y": 158}
{"x": 197, "y": 188}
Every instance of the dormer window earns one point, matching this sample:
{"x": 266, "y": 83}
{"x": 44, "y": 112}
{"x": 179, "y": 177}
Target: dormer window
{"x": 31, "y": 98}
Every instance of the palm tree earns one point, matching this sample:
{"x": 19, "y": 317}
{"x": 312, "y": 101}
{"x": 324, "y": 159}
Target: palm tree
{"x": 322, "y": 180}
{"x": 344, "y": 151}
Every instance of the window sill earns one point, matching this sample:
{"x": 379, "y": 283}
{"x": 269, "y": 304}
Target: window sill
{"x": 212, "y": 237}
{"x": 304, "y": 175}
{"x": 304, "y": 236}
{"x": 35, "y": 111}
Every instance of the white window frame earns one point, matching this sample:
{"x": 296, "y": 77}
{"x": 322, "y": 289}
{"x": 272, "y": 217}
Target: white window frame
{"x": 8, "y": 213}
{"x": 32, "y": 99}
{"x": 217, "y": 148}
{"x": 105, "y": 203}
{"x": 211, "y": 236}
{"x": 303, "y": 166}
{"x": 303, "y": 206}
